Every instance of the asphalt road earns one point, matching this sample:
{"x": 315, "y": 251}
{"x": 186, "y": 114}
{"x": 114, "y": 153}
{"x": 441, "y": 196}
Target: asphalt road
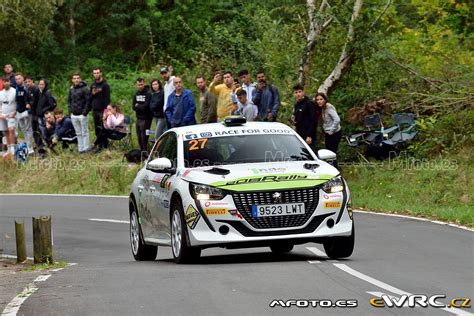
{"x": 393, "y": 256}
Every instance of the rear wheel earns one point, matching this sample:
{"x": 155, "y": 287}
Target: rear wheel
{"x": 182, "y": 252}
{"x": 340, "y": 247}
{"x": 140, "y": 250}
{"x": 281, "y": 248}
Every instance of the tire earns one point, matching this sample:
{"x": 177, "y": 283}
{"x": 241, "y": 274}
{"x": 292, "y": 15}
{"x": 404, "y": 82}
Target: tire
{"x": 281, "y": 248}
{"x": 340, "y": 247}
{"x": 182, "y": 252}
{"x": 140, "y": 250}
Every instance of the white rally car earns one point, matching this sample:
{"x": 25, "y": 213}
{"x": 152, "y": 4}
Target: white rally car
{"x": 234, "y": 185}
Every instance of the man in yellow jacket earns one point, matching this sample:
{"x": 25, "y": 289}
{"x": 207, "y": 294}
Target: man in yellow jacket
{"x": 223, "y": 93}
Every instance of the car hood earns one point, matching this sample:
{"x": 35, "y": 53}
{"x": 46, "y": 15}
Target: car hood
{"x": 263, "y": 176}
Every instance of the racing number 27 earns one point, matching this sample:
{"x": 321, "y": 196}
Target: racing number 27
{"x": 196, "y": 144}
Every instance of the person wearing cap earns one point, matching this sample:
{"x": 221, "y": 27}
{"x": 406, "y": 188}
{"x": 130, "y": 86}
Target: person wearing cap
{"x": 168, "y": 84}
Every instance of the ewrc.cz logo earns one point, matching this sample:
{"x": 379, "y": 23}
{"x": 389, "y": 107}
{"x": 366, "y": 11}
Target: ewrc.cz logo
{"x": 325, "y": 303}
{"x": 419, "y": 300}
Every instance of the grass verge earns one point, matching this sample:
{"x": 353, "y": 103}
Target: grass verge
{"x": 439, "y": 189}
{"x": 46, "y": 266}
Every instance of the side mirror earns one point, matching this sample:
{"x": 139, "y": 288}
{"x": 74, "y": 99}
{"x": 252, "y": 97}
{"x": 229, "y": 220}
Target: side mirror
{"x": 326, "y": 155}
{"x": 160, "y": 165}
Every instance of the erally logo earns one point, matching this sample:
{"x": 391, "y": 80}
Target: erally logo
{"x": 293, "y": 177}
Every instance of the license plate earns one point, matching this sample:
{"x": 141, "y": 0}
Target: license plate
{"x": 278, "y": 209}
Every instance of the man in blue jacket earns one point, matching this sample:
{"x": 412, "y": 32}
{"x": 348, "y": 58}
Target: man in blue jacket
{"x": 180, "y": 108}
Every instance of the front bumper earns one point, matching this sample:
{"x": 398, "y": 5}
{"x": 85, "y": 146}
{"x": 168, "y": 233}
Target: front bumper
{"x": 229, "y": 222}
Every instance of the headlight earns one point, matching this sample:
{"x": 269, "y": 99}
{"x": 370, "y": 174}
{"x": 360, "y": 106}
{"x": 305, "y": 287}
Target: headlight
{"x": 205, "y": 192}
{"x": 334, "y": 185}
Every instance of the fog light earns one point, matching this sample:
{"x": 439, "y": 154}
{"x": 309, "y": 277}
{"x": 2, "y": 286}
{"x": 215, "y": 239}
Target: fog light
{"x": 224, "y": 229}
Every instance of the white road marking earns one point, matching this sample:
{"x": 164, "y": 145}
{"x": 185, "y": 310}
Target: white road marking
{"x": 313, "y": 261}
{"x": 42, "y": 277}
{"x": 14, "y": 306}
{"x": 317, "y": 252}
{"x": 369, "y": 279}
{"x": 417, "y": 219}
{"x": 109, "y": 220}
{"x": 390, "y": 288}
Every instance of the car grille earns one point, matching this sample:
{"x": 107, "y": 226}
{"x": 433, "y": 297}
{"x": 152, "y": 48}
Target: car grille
{"x": 244, "y": 201}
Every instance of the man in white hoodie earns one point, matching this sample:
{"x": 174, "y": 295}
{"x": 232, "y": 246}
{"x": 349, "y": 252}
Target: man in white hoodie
{"x": 8, "y": 114}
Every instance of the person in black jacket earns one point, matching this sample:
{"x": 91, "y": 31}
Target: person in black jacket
{"x": 100, "y": 99}
{"x": 156, "y": 105}
{"x": 23, "y": 111}
{"x": 79, "y": 107}
{"x": 32, "y": 103}
{"x": 141, "y": 106}
{"x": 45, "y": 103}
{"x": 304, "y": 117}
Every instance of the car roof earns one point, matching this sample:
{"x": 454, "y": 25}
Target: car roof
{"x": 202, "y": 128}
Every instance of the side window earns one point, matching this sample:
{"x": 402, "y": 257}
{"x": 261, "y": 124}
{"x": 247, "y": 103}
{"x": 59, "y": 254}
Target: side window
{"x": 166, "y": 148}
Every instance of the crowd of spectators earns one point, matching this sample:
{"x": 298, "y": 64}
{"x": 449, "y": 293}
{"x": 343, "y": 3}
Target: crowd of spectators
{"x": 33, "y": 109}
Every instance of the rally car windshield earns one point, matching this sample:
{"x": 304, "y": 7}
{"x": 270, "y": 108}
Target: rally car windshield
{"x": 216, "y": 151}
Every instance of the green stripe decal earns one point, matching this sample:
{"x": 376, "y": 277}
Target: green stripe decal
{"x": 273, "y": 182}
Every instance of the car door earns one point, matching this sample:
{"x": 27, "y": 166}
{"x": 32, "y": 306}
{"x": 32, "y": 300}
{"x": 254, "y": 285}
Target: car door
{"x": 160, "y": 184}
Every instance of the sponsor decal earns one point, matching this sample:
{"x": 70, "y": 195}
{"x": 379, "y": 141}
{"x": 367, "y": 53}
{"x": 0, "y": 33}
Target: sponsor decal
{"x": 277, "y": 181}
{"x": 165, "y": 181}
{"x": 166, "y": 204}
{"x": 276, "y": 178}
{"x": 215, "y": 203}
{"x": 332, "y": 204}
{"x": 332, "y": 196}
{"x": 215, "y": 211}
{"x": 190, "y": 136}
{"x": 235, "y": 213}
{"x": 206, "y": 134}
{"x": 158, "y": 178}
{"x": 268, "y": 170}
{"x": 419, "y": 300}
{"x": 228, "y": 132}
{"x": 186, "y": 172}
{"x": 192, "y": 216}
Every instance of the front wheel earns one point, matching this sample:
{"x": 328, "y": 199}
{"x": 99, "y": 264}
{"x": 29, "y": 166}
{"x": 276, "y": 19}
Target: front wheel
{"x": 140, "y": 250}
{"x": 340, "y": 247}
{"x": 182, "y": 252}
